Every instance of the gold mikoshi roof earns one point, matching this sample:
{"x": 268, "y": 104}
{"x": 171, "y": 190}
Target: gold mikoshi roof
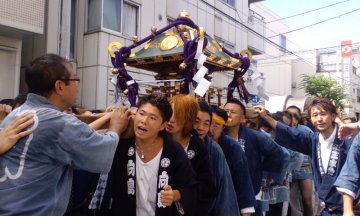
{"x": 165, "y": 52}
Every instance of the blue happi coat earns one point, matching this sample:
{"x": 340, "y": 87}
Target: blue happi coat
{"x": 199, "y": 157}
{"x": 308, "y": 143}
{"x": 239, "y": 170}
{"x": 263, "y": 154}
{"x": 36, "y": 175}
{"x": 349, "y": 177}
{"x": 225, "y": 202}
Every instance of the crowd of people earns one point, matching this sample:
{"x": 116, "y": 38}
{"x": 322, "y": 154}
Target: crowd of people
{"x": 171, "y": 156}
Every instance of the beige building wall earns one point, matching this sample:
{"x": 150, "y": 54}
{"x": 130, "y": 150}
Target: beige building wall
{"x": 10, "y": 56}
{"x": 23, "y": 15}
{"x": 19, "y": 20}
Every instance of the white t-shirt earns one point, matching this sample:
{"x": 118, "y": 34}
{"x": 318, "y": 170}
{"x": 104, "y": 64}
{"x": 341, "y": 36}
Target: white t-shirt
{"x": 326, "y": 147}
{"x": 146, "y": 185}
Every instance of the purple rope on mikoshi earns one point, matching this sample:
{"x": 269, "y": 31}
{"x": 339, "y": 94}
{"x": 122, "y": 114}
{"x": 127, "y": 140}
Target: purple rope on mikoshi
{"x": 238, "y": 84}
{"x": 190, "y": 48}
{"x": 237, "y": 81}
{"x": 124, "y": 80}
{"x": 178, "y": 21}
{"x": 245, "y": 61}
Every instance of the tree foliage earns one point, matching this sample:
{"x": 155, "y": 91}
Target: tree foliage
{"x": 324, "y": 86}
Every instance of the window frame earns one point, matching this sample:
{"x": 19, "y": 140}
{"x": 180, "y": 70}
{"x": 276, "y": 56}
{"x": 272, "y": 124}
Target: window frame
{"x": 283, "y": 42}
{"x": 137, "y": 6}
{"x": 110, "y": 31}
{"x": 227, "y": 3}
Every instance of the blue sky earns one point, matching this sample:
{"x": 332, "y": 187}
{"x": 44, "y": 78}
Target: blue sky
{"x": 330, "y": 33}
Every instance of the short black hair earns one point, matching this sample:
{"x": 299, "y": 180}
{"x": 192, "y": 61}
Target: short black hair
{"x": 324, "y": 104}
{"x": 278, "y": 116}
{"x": 9, "y": 102}
{"x": 44, "y": 71}
{"x": 238, "y": 102}
{"x": 219, "y": 112}
{"x": 19, "y": 100}
{"x": 159, "y": 101}
{"x": 290, "y": 116}
{"x": 205, "y": 107}
{"x": 294, "y": 107}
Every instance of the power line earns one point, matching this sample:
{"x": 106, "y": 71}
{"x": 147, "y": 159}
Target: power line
{"x": 268, "y": 40}
{"x": 316, "y": 23}
{"x": 309, "y": 11}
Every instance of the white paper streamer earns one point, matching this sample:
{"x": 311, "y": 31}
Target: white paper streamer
{"x": 200, "y": 74}
{"x": 201, "y": 60}
{"x": 202, "y": 87}
{"x": 199, "y": 48}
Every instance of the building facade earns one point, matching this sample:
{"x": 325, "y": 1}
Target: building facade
{"x": 81, "y": 30}
{"x": 342, "y": 64}
{"x": 282, "y": 67}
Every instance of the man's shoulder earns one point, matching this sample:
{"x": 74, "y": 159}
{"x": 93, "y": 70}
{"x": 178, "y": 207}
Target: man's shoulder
{"x": 304, "y": 128}
{"x": 232, "y": 144}
{"x": 256, "y": 135}
{"x": 213, "y": 146}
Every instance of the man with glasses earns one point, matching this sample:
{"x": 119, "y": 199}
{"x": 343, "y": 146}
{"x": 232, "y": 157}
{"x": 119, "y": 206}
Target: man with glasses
{"x": 36, "y": 174}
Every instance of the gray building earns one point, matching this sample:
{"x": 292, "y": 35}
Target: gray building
{"x": 81, "y": 30}
{"x": 342, "y": 64}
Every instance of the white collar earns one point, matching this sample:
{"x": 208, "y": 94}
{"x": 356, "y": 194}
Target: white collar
{"x": 329, "y": 141}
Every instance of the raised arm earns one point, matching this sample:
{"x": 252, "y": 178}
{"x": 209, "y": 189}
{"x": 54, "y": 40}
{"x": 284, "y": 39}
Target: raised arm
{"x": 351, "y": 130}
{"x": 286, "y": 136}
{"x": 100, "y": 122}
{"x": 262, "y": 112}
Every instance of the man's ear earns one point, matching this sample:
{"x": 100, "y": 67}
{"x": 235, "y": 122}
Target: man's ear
{"x": 163, "y": 126}
{"x": 58, "y": 86}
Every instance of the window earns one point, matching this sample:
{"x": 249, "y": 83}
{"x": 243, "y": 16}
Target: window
{"x": 94, "y": 15}
{"x": 326, "y": 62}
{"x": 72, "y": 29}
{"x": 230, "y": 2}
{"x": 67, "y": 32}
{"x": 282, "y": 42}
{"x": 112, "y": 15}
{"x": 358, "y": 95}
{"x": 117, "y": 15}
{"x": 130, "y": 21}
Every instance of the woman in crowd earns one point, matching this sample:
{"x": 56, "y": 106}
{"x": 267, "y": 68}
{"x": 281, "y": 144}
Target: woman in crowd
{"x": 278, "y": 192}
{"x": 301, "y": 201}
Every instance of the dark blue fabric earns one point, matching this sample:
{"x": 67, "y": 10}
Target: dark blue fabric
{"x": 306, "y": 143}
{"x": 225, "y": 203}
{"x": 83, "y": 186}
{"x": 239, "y": 170}
{"x": 200, "y": 162}
{"x": 349, "y": 177}
{"x": 263, "y": 154}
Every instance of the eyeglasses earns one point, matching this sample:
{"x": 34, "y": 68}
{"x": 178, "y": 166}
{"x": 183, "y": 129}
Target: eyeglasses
{"x": 75, "y": 79}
